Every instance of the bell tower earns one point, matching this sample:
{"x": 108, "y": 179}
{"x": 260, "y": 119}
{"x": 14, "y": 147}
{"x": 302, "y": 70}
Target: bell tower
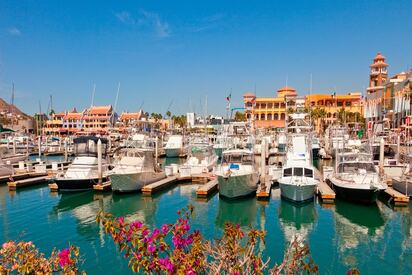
{"x": 378, "y": 73}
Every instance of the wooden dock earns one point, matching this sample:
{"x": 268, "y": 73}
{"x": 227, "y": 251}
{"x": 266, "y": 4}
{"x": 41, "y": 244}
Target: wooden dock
{"x": 207, "y": 189}
{"x": 13, "y": 185}
{"x": 53, "y": 187}
{"x": 396, "y": 197}
{"x": 159, "y": 185}
{"x": 202, "y": 178}
{"x": 20, "y": 176}
{"x": 325, "y": 192}
{"x": 263, "y": 190}
{"x": 104, "y": 186}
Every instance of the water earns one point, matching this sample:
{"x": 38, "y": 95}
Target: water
{"x": 376, "y": 239}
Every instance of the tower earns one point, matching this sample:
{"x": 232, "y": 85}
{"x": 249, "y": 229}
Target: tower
{"x": 378, "y": 73}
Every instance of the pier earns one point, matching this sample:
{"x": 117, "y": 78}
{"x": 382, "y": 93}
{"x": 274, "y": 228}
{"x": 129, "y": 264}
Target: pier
{"x": 325, "y": 192}
{"x": 159, "y": 185}
{"x": 264, "y": 189}
{"x": 207, "y": 189}
{"x": 396, "y": 197}
{"x": 104, "y": 186}
{"x": 13, "y": 185}
{"x": 20, "y": 176}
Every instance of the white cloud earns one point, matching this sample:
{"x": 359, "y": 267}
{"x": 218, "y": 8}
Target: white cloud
{"x": 125, "y": 17}
{"x": 14, "y": 31}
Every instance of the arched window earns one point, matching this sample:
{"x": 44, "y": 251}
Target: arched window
{"x": 276, "y": 117}
{"x": 269, "y": 117}
{"x": 262, "y": 117}
{"x": 282, "y": 116}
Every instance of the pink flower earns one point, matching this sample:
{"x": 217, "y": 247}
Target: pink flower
{"x": 121, "y": 220}
{"x": 190, "y": 272}
{"x": 166, "y": 263}
{"x": 64, "y": 258}
{"x": 155, "y": 233}
{"x": 136, "y": 224}
{"x": 145, "y": 232}
{"x": 151, "y": 248}
{"x": 165, "y": 228}
{"x": 7, "y": 245}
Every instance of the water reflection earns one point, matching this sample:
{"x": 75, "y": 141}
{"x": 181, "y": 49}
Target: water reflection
{"x": 241, "y": 211}
{"x": 297, "y": 219}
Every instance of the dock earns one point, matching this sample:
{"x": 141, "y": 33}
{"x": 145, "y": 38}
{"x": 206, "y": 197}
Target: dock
{"x": 13, "y": 185}
{"x": 159, "y": 185}
{"x": 207, "y": 189}
{"x": 325, "y": 192}
{"x": 53, "y": 187}
{"x": 20, "y": 176}
{"x": 396, "y": 197}
{"x": 263, "y": 190}
{"x": 104, "y": 186}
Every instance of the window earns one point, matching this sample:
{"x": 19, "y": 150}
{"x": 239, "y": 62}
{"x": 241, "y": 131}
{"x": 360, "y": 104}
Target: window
{"x": 287, "y": 172}
{"x": 308, "y": 173}
{"x": 298, "y": 172}
{"x": 276, "y": 117}
{"x": 340, "y": 103}
{"x": 263, "y": 105}
{"x": 348, "y": 103}
{"x": 262, "y": 117}
{"x": 269, "y": 105}
{"x": 282, "y": 116}
{"x": 269, "y": 116}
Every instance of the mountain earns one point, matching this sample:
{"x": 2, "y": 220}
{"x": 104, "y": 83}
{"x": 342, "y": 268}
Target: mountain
{"x": 6, "y": 108}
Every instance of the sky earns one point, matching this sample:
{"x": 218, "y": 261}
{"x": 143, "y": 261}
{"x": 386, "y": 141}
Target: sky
{"x": 189, "y": 55}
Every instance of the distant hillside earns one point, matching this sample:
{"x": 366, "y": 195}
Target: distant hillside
{"x": 5, "y": 108}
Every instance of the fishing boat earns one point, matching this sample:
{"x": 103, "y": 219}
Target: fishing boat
{"x": 315, "y": 147}
{"x": 223, "y": 142}
{"x": 403, "y": 184}
{"x": 237, "y": 174}
{"x": 299, "y": 176}
{"x": 355, "y": 177}
{"x": 134, "y": 168}
{"x": 83, "y": 172}
{"x": 201, "y": 158}
{"x": 175, "y": 146}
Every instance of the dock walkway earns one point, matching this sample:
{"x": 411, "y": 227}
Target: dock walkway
{"x": 13, "y": 185}
{"x": 397, "y": 197}
{"x": 207, "y": 189}
{"x": 325, "y": 192}
{"x": 263, "y": 190}
{"x": 159, "y": 185}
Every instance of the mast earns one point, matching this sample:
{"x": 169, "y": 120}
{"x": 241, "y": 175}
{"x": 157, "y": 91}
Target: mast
{"x": 12, "y": 104}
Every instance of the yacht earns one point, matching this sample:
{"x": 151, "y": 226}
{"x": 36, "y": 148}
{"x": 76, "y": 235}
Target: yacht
{"x": 237, "y": 174}
{"x": 403, "y": 184}
{"x": 83, "y": 172}
{"x": 134, "y": 167}
{"x": 355, "y": 177}
{"x": 335, "y": 137}
{"x": 201, "y": 158}
{"x": 299, "y": 176}
{"x": 315, "y": 147}
{"x": 175, "y": 146}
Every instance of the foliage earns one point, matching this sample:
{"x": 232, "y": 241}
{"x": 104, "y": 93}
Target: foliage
{"x": 156, "y": 116}
{"x": 240, "y": 116}
{"x": 176, "y": 249}
{"x": 180, "y": 120}
{"x": 25, "y": 258}
{"x": 168, "y": 114}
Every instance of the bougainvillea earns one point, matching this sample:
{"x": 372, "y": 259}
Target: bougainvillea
{"x": 25, "y": 258}
{"x": 177, "y": 249}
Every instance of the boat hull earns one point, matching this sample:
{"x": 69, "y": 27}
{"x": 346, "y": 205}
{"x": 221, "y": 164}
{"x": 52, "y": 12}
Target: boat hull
{"x": 366, "y": 196}
{"x": 404, "y": 187}
{"x": 76, "y": 185}
{"x": 237, "y": 186}
{"x": 134, "y": 182}
{"x": 173, "y": 152}
{"x": 297, "y": 193}
{"x": 315, "y": 153}
{"x": 219, "y": 151}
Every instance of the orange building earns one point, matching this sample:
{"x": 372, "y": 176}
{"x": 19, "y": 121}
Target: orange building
{"x": 97, "y": 119}
{"x": 268, "y": 112}
{"x": 54, "y": 125}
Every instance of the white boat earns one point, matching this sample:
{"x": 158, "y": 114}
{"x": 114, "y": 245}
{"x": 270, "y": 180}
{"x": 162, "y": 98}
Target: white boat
{"x": 175, "y": 146}
{"x": 134, "y": 168}
{"x": 355, "y": 177}
{"x": 223, "y": 142}
{"x": 403, "y": 184}
{"x": 201, "y": 158}
{"x": 237, "y": 174}
{"x": 83, "y": 172}
{"x": 335, "y": 138}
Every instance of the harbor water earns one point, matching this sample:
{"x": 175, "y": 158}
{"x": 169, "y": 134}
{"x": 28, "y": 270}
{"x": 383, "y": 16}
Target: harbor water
{"x": 375, "y": 239}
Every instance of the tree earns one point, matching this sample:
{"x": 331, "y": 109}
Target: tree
{"x": 240, "y": 116}
{"x": 168, "y": 114}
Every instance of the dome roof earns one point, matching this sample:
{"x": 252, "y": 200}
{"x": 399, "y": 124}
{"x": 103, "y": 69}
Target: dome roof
{"x": 379, "y": 56}
{"x": 286, "y": 91}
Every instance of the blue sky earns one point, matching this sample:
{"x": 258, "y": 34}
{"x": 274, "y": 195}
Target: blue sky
{"x": 185, "y": 51}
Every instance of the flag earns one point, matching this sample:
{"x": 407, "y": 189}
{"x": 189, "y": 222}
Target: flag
{"x": 229, "y": 97}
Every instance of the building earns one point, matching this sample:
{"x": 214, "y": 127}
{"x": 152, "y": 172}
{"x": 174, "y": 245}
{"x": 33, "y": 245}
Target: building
{"x": 268, "y": 112}
{"x": 72, "y": 122}
{"x": 97, "y": 119}
{"x": 54, "y": 125}
{"x": 402, "y": 91}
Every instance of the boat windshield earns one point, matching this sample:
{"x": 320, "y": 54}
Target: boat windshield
{"x": 238, "y": 158}
{"x": 298, "y": 172}
{"x": 356, "y": 167}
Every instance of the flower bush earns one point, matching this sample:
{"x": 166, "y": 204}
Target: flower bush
{"x": 176, "y": 249}
{"x": 25, "y": 258}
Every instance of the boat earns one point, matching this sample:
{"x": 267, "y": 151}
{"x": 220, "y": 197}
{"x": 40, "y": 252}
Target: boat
{"x": 175, "y": 146}
{"x": 237, "y": 175}
{"x": 83, "y": 172}
{"x": 335, "y": 137}
{"x": 355, "y": 177}
{"x": 201, "y": 158}
{"x": 134, "y": 168}
{"x": 315, "y": 148}
{"x": 299, "y": 176}
{"x": 223, "y": 142}
{"x": 403, "y": 184}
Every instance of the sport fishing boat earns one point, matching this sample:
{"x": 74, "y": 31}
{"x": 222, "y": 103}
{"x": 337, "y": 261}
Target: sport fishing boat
{"x": 134, "y": 168}
{"x": 83, "y": 172}
{"x": 237, "y": 175}
{"x": 403, "y": 184}
{"x": 175, "y": 146}
{"x": 355, "y": 177}
{"x": 201, "y": 158}
{"x": 299, "y": 176}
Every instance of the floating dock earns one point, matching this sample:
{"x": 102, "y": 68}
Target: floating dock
{"x": 20, "y": 176}
{"x": 207, "y": 189}
{"x": 396, "y": 197}
{"x": 104, "y": 186}
{"x": 13, "y": 185}
{"x": 325, "y": 192}
{"x": 159, "y": 185}
{"x": 263, "y": 190}
{"x": 53, "y": 187}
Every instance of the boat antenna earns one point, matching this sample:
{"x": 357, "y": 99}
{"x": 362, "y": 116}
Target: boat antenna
{"x": 310, "y": 101}
{"x": 117, "y": 98}
{"x": 12, "y": 103}
{"x": 94, "y": 91}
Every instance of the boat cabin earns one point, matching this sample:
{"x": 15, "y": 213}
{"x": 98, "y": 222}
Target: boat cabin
{"x": 200, "y": 151}
{"x": 243, "y": 157}
{"x": 298, "y": 172}
{"x": 356, "y": 167}
{"x": 86, "y": 146}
